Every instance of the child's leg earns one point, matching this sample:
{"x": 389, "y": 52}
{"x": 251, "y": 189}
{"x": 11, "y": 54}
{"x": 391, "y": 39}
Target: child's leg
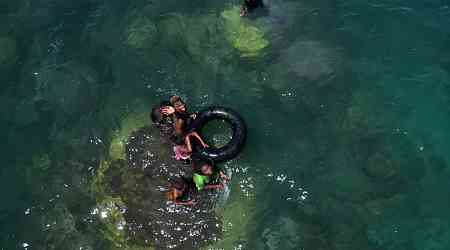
{"x": 198, "y": 138}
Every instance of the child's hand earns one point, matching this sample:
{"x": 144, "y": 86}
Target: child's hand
{"x": 191, "y": 203}
{"x": 225, "y": 177}
{"x": 167, "y": 110}
{"x": 215, "y": 186}
{"x": 186, "y": 203}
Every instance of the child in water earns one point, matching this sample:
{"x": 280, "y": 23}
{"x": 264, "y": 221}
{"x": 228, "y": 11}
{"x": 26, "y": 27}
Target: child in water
{"x": 178, "y": 111}
{"x": 205, "y": 174}
{"x": 165, "y": 123}
{"x": 182, "y": 192}
{"x": 250, "y": 5}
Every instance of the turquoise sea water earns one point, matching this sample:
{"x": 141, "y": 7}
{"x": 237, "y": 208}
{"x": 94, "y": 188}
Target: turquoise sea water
{"x": 347, "y": 105}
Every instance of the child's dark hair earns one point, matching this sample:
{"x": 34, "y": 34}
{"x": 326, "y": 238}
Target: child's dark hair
{"x": 200, "y": 162}
{"x": 178, "y": 183}
{"x": 174, "y": 99}
{"x": 175, "y": 184}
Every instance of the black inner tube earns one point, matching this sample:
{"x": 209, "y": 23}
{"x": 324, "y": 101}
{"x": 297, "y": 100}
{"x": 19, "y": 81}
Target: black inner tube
{"x": 238, "y": 126}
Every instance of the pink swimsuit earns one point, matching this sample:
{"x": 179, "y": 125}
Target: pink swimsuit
{"x": 181, "y": 153}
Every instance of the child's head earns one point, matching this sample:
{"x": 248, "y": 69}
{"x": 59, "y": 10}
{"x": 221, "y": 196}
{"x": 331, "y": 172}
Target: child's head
{"x": 204, "y": 167}
{"x": 176, "y": 190}
{"x": 178, "y": 104}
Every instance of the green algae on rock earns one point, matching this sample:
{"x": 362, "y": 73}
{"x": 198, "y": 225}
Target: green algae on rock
{"x": 41, "y": 162}
{"x": 120, "y": 136}
{"x": 242, "y": 35}
{"x": 238, "y": 216}
{"x": 284, "y": 234}
{"x": 40, "y": 166}
{"x": 110, "y": 212}
{"x": 129, "y": 188}
{"x": 141, "y": 32}
{"x": 61, "y": 228}
{"x": 110, "y": 209}
{"x": 194, "y": 34}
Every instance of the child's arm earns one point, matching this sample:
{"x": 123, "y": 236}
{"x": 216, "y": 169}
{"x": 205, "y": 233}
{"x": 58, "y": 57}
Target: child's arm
{"x": 214, "y": 186}
{"x": 187, "y": 203}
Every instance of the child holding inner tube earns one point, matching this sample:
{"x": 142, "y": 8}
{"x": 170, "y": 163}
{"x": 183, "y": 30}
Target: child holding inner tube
{"x": 205, "y": 174}
{"x": 181, "y": 137}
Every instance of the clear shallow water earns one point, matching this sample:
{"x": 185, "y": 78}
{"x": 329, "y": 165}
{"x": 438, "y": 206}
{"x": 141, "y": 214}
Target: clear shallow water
{"x": 346, "y": 103}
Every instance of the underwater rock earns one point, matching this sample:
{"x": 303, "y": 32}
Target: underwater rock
{"x": 380, "y": 166}
{"x": 348, "y": 184}
{"x": 202, "y": 43}
{"x": 130, "y": 123}
{"x": 124, "y": 122}
{"x": 148, "y": 149}
{"x": 365, "y": 115}
{"x": 393, "y": 161}
{"x": 41, "y": 162}
{"x": 201, "y": 36}
{"x": 38, "y": 168}
{"x": 238, "y": 217}
{"x": 283, "y": 234}
{"x": 248, "y": 39}
{"x": 312, "y": 61}
{"x": 61, "y": 231}
{"x": 110, "y": 212}
{"x": 173, "y": 28}
{"x": 141, "y": 32}
{"x": 375, "y": 209}
{"x": 8, "y": 50}
{"x": 138, "y": 178}
{"x": 70, "y": 87}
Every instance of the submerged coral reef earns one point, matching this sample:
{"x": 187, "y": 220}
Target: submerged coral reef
{"x": 335, "y": 103}
{"x": 245, "y": 37}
